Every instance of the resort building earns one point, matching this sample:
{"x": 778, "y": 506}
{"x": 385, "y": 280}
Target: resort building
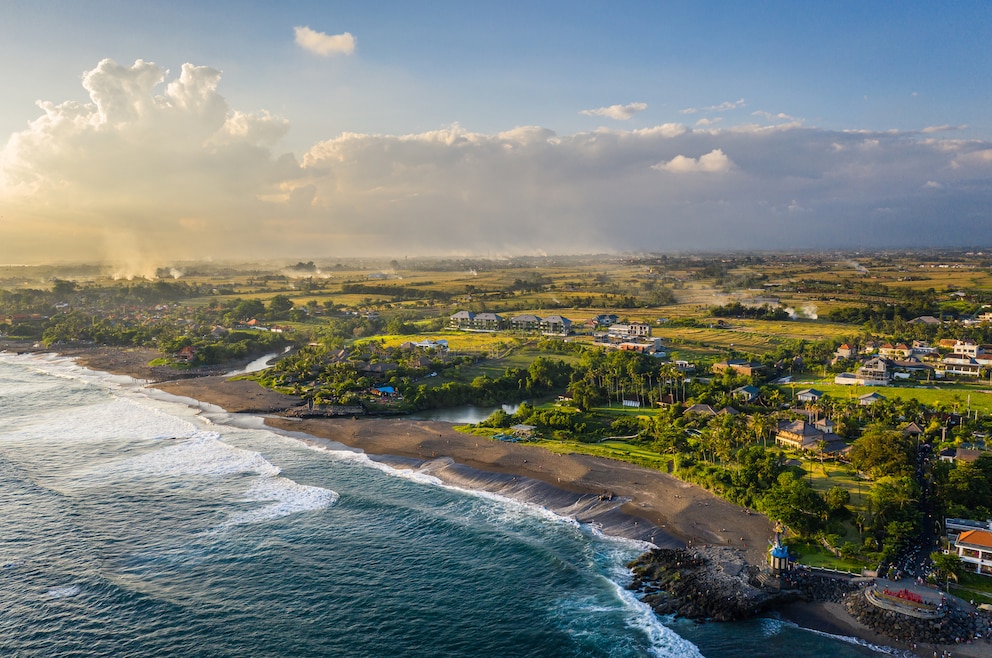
{"x": 526, "y": 322}
{"x": 631, "y": 330}
{"x": 556, "y": 325}
{"x": 974, "y": 547}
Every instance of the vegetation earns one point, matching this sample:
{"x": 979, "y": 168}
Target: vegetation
{"x": 359, "y": 335}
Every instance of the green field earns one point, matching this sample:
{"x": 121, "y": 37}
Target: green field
{"x": 957, "y": 396}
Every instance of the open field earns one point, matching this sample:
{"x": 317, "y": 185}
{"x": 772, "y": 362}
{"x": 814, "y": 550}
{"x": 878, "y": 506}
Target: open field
{"x": 956, "y": 396}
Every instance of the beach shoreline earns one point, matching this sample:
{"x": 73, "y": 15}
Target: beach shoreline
{"x": 646, "y": 505}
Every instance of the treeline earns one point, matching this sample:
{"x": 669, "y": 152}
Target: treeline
{"x": 397, "y": 293}
{"x": 738, "y": 310}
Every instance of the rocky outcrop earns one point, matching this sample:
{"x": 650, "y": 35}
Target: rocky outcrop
{"x": 702, "y": 583}
{"x": 958, "y": 624}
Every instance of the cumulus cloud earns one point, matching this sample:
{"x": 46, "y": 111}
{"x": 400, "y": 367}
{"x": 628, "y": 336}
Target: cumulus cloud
{"x": 715, "y": 161}
{"x": 323, "y": 44}
{"x": 141, "y": 167}
{"x": 156, "y": 165}
{"x": 618, "y": 112}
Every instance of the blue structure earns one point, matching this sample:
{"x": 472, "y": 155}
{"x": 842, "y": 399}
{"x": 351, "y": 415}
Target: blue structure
{"x": 778, "y": 554}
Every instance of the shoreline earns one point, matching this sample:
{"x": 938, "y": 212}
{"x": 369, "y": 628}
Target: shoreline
{"x": 646, "y": 505}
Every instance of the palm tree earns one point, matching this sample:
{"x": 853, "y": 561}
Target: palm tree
{"x": 762, "y": 425}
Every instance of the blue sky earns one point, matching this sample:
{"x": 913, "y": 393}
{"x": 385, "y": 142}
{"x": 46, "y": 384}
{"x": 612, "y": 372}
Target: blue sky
{"x": 725, "y": 115}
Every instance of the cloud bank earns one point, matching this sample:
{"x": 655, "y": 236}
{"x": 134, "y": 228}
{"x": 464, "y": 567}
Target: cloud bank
{"x": 157, "y": 167}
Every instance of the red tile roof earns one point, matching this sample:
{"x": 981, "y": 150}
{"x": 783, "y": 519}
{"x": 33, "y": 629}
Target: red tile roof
{"x": 981, "y": 538}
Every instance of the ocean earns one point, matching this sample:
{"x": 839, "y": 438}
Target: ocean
{"x": 135, "y": 524}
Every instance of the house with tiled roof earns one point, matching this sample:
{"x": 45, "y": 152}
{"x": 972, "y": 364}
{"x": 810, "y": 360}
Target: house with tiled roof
{"x": 974, "y": 548}
{"x": 846, "y": 351}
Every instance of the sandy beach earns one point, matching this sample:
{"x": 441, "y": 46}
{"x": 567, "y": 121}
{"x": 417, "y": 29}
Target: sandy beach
{"x": 624, "y": 499}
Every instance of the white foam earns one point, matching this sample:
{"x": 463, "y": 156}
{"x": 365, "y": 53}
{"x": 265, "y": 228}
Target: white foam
{"x": 876, "y": 648}
{"x": 117, "y": 418}
{"x": 284, "y": 496}
{"x": 63, "y": 591}
{"x": 664, "y": 641}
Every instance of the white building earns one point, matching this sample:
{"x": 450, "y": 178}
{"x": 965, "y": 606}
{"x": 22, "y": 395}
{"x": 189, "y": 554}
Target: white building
{"x": 974, "y": 547}
{"x": 631, "y": 330}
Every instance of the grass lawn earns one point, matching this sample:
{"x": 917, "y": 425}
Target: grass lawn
{"x": 814, "y": 555}
{"x": 611, "y": 450}
{"x": 932, "y": 395}
{"x": 973, "y": 586}
{"x": 831, "y": 474}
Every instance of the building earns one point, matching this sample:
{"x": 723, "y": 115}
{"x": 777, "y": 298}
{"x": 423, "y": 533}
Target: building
{"x": 846, "y": 351}
{"x": 747, "y": 393}
{"x": 556, "y": 325}
{"x": 740, "y": 366}
{"x": 462, "y": 320}
{"x": 526, "y": 322}
{"x": 809, "y": 395}
{"x": 966, "y": 348}
{"x": 801, "y": 435}
{"x": 798, "y": 434}
{"x": 487, "y": 322}
{"x": 974, "y": 547}
{"x": 631, "y": 330}
{"x": 960, "y": 365}
{"x": 875, "y": 372}
{"x": 870, "y": 398}
{"x": 604, "y": 320}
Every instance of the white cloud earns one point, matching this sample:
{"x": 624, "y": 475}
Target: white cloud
{"x": 722, "y": 107}
{"x": 713, "y": 162}
{"x": 977, "y": 158}
{"x": 155, "y": 166}
{"x": 618, "y": 112}
{"x": 933, "y": 185}
{"x": 941, "y": 129}
{"x": 140, "y": 164}
{"x": 709, "y": 122}
{"x": 323, "y": 44}
{"x": 775, "y": 116}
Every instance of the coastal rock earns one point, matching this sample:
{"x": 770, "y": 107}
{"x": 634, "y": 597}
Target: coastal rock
{"x": 959, "y": 624}
{"x": 703, "y": 583}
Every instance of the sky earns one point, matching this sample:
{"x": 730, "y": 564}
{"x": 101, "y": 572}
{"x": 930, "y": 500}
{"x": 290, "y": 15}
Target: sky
{"x": 143, "y": 133}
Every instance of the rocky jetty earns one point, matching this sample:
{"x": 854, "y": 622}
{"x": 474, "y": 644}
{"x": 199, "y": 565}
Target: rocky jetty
{"x": 716, "y": 583}
{"x": 959, "y": 623}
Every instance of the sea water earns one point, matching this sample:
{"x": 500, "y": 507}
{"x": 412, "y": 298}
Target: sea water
{"x": 137, "y": 524}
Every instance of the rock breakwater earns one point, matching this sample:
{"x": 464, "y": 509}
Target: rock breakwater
{"x": 958, "y": 624}
{"x": 716, "y": 583}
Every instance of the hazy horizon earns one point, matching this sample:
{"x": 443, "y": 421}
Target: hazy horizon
{"x": 239, "y": 132}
